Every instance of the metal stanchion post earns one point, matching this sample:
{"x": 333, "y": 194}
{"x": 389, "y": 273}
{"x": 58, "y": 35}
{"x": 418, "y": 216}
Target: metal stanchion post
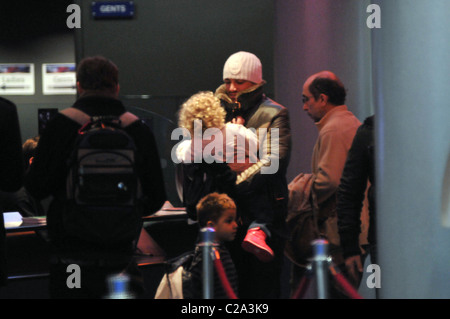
{"x": 320, "y": 261}
{"x": 118, "y": 287}
{"x": 207, "y": 235}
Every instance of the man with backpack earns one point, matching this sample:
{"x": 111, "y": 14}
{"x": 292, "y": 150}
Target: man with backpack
{"x": 100, "y": 165}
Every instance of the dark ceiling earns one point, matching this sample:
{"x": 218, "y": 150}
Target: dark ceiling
{"x": 26, "y": 19}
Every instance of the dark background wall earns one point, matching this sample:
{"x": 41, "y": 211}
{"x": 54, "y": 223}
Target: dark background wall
{"x": 168, "y": 51}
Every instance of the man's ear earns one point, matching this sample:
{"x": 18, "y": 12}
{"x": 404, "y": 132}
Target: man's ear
{"x": 323, "y": 98}
{"x": 117, "y": 90}
{"x": 79, "y": 88}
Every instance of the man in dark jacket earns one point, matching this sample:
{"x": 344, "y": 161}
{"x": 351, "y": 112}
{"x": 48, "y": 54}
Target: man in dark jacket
{"x": 242, "y": 96}
{"x": 98, "y": 88}
{"x": 359, "y": 169}
{"x": 11, "y": 166}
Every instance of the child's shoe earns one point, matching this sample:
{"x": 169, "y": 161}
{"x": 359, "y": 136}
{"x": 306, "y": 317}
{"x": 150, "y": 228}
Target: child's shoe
{"x": 255, "y": 243}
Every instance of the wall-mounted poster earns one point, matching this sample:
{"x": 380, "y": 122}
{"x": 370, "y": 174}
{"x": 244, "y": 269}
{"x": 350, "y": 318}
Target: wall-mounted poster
{"x": 58, "y": 78}
{"x": 16, "y": 78}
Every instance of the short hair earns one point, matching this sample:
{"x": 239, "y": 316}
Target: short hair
{"x": 334, "y": 89}
{"x": 212, "y": 206}
{"x": 97, "y": 74}
{"x": 202, "y": 106}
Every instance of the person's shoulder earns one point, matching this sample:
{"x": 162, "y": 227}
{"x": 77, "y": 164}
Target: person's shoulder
{"x": 7, "y": 106}
{"x": 341, "y": 115}
{"x": 138, "y": 124}
{"x": 366, "y": 129}
{"x": 6, "y": 102}
{"x": 337, "y": 122}
{"x": 270, "y": 103}
{"x": 59, "y": 128}
{"x": 369, "y": 121}
{"x": 140, "y": 131}
{"x": 61, "y": 119}
{"x": 270, "y": 108}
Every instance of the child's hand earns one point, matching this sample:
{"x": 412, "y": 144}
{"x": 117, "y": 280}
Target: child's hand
{"x": 238, "y": 120}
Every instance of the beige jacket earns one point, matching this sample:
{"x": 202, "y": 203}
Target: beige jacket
{"x": 336, "y": 132}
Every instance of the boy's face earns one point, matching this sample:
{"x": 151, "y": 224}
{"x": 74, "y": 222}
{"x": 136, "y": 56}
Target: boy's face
{"x": 226, "y": 226}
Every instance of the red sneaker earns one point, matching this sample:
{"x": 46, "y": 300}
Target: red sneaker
{"x": 255, "y": 243}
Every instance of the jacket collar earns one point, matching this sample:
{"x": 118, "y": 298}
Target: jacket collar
{"x": 100, "y": 105}
{"x": 246, "y": 99}
{"x": 327, "y": 117}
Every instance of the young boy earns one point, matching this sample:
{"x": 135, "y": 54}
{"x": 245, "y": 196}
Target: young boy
{"x": 217, "y": 211}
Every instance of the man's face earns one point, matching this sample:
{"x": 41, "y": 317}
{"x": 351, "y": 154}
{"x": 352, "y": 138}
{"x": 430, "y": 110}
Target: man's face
{"x": 234, "y": 86}
{"x": 315, "y": 108}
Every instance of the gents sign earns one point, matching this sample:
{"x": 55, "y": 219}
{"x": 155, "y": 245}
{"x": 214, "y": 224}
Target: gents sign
{"x": 112, "y": 9}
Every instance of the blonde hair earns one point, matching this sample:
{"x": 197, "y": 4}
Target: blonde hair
{"x": 212, "y": 206}
{"x": 202, "y": 106}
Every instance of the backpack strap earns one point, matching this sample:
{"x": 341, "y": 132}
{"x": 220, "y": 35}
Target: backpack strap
{"x": 76, "y": 115}
{"x": 82, "y": 118}
{"x": 127, "y": 118}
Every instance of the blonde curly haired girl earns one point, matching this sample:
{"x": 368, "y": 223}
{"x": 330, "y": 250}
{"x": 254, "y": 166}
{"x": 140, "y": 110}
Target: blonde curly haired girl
{"x": 202, "y": 106}
{"x": 206, "y": 108}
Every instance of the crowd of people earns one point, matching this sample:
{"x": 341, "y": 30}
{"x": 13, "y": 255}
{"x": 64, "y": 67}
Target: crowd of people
{"x": 234, "y": 164}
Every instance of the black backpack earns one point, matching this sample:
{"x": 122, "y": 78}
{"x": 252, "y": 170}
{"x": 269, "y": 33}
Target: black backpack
{"x": 102, "y": 184}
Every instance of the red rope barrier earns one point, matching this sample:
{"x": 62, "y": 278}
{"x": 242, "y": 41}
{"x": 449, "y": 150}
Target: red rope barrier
{"x": 348, "y": 288}
{"x": 302, "y": 286}
{"x": 223, "y": 277}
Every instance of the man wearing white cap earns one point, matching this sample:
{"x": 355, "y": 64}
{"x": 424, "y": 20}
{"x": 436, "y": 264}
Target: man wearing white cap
{"x": 258, "y": 248}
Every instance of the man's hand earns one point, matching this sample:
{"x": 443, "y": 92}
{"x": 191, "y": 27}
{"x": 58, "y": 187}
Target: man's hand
{"x": 238, "y": 120}
{"x": 354, "y": 269}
